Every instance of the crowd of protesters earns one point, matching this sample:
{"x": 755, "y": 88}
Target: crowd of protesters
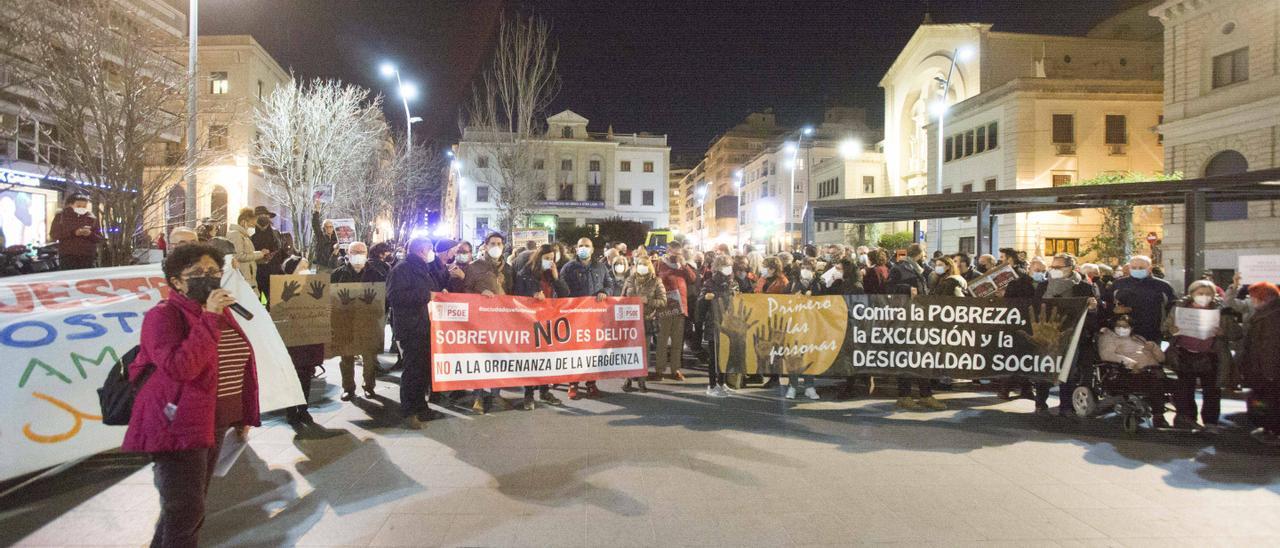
{"x": 197, "y": 347}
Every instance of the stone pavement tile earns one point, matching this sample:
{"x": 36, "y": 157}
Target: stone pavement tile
{"x": 1119, "y": 523}
{"x": 81, "y": 528}
{"x": 413, "y": 530}
{"x": 823, "y": 527}
{"x": 1235, "y": 522}
{"x": 557, "y": 530}
{"x": 430, "y": 501}
{"x": 688, "y": 528}
{"x": 1027, "y": 524}
{"x": 1167, "y": 496}
{"x": 607, "y": 529}
{"x": 344, "y": 529}
{"x": 754, "y": 529}
{"x": 1091, "y": 496}
{"x": 482, "y": 530}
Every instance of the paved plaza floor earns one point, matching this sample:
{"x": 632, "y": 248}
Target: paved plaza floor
{"x": 674, "y": 468}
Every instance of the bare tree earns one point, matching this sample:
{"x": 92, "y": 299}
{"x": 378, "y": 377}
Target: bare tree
{"x": 100, "y": 78}
{"x": 418, "y": 187}
{"x": 506, "y": 114}
{"x": 316, "y": 137}
{"x": 370, "y": 194}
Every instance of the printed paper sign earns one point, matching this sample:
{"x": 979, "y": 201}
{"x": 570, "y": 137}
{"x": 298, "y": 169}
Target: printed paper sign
{"x": 1259, "y": 268}
{"x": 357, "y": 317}
{"x": 505, "y": 341}
{"x": 1196, "y": 323}
{"x": 345, "y": 230}
{"x": 992, "y": 282}
{"x": 300, "y": 308}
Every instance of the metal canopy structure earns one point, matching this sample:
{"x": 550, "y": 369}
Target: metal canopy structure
{"x": 1195, "y": 194}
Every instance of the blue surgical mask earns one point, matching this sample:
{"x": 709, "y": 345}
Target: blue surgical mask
{"x": 1138, "y": 273}
{"x": 584, "y": 252}
{"x": 1038, "y": 276}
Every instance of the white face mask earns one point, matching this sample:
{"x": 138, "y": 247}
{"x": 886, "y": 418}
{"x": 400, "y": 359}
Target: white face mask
{"x": 641, "y": 270}
{"x": 1123, "y": 331}
{"x": 80, "y": 210}
{"x": 463, "y": 258}
{"x": 547, "y": 264}
{"x": 1057, "y": 274}
{"x": 494, "y": 252}
{"x": 619, "y": 268}
{"x": 399, "y": 255}
{"x": 357, "y": 260}
{"x": 430, "y": 256}
{"x": 1203, "y": 300}
{"x": 806, "y": 274}
{"x": 726, "y": 270}
{"x": 939, "y": 270}
{"x": 766, "y": 272}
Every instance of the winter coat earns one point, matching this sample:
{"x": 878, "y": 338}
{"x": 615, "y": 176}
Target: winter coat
{"x": 486, "y": 275}
{"x": 347, "y": 274}
{"x": 244, "y": 253}
{"x": 875, "y": 281}
{"x": 650, "y": 289}
{"x": 1131, "y": 350}
{"x": 723, "y": 288}
{"x": 587, "y": 279}
{"x": 951, "y": 286}
{"x": 678, "y": 282}
{"x": 409, "y": 289}
{"x": 1228, "y": 324}
{"x": 266, "y": 239}
{"x": 180, "y": 339}
{"x": 1260, "y": 361}
{"x": 325, "y": 254}
{"x": 64, "y": 227}
{"x": 777, "y": 284}
{"x": 1149, "y": 298}
{"x": 904, "y": 276}
{"x": 528, "y": 283}
{"x": 801, "y": 287}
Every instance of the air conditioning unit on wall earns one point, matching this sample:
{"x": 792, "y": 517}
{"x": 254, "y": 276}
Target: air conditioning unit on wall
{"x": 1065, "y": 149}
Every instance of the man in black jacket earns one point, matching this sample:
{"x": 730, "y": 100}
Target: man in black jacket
{"x": 1143, "y": 297}
{"x": 324, "y": 241}
{"x": 586, "y": 277}
{"x": 409, "y": 290}
{"x": 908, "y": 274}
{"x": 1064, "y": 282}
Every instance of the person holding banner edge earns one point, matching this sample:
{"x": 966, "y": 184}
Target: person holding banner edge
{"x": 488, "y": 276}
{"x": 586, "y": 277}
{"x": 717, "y": 294}
{"x": 540, "y": 279}
{"x": 907, "y": 277}
{"x": 409, "y": 289}
{"x": 644, "y": 283}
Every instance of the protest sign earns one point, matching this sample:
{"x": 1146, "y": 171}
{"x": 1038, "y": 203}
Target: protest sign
{"x": 520, "y": 236}
{"x": 960, "y": 338}
{"x": 781, "y": 334}
{"x": 345, "y": 230}
{"x": 989, "y": 284}
{"x": 1197, "y": 323}
{"x": 356, "y": 318}
{"x": 503, "y": 341}
{"x": 300, "y": 308}
{"x": 1259, "y": 268}
{"x": 63, "y": 331}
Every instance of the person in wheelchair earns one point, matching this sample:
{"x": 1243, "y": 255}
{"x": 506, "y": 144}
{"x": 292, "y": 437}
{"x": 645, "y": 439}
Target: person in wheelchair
{"x": 1141, "y": 361}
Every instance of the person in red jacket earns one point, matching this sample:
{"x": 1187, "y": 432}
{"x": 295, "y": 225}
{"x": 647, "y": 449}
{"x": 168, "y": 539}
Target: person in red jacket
{"x": 78, "y": 234}
{"x": 676, "y": 276}
{"x": 202, "y": 382}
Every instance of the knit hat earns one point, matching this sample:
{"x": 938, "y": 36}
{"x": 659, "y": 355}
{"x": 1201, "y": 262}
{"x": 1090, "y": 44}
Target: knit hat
{"x": 445, "y": 245}
{"x": 1202, "y": 284}
{"x": 1265, "y": 291}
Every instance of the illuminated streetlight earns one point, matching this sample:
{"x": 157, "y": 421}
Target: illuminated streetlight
{"x": 387, "y": 69}
{"x": 789, "y": 148}
{"x": 807, "y": 130}
{"x": 850, "y": 148}
{"x": 966, "y": 53}
{"x": 408, "y": 91}
{"x": 938, "y": 108}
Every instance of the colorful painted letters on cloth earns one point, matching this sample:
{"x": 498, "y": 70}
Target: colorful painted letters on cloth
{"x": 501, "y": 341}
{"x": 61, "y": 332}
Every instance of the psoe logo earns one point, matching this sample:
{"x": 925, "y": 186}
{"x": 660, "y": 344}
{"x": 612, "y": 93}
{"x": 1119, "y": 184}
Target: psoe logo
{"x": 450, "y": 312}
{"x": 626, "y": 312}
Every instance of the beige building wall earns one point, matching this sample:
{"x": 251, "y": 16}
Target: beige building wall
{"x": 1207, "y": 120}
{"x": 841, "y": 178}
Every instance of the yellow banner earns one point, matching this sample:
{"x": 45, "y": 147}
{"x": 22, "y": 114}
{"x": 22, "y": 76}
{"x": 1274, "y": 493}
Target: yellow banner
{"x": 781, "y": 334}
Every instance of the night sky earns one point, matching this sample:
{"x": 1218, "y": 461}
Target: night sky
{"x": 687, "y": 68}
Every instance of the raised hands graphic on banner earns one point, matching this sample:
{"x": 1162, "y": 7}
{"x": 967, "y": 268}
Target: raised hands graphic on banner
{"x": 290, "y": 290}
{"x": 1047, "y": 329}
{"x": 317, "y": 289}
{"x": 345, "y": 297}
{"x": 771, "y": 336}
{"x": 368, "y": 296}
{"x": 735, "y": 322}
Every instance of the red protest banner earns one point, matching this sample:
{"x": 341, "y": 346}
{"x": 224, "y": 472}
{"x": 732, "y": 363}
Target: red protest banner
{"x": 504, "y": 341}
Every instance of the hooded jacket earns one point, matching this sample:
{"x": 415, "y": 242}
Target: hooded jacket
{"x": 180, "y": 338}
{"x": 244, "y": 253}
{"x": 64, "y": 227}
{"x": 1260, "y": 360}
{"x": 409, "y": 288}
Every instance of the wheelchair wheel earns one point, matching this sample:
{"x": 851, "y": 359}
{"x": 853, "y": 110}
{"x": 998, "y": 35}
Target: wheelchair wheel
{"x": 1084, "y": 401}
{"x": 1130, "y": 423}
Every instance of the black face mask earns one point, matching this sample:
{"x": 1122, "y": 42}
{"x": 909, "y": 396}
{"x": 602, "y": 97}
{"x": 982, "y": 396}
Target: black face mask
{"x": 198, "y": 289}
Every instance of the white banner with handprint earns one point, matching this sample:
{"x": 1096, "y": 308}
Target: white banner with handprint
{"x": 61, "y": 332}
{"x": 357, "y": 318}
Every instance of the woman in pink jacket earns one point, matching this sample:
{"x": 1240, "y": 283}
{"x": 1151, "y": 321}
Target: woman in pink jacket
{"x": 202, "y": 382}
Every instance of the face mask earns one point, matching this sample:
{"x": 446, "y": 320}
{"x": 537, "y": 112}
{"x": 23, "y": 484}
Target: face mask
{"x": 1203, "y": 300}
{"x": 1038, "y": 276}
{"x": 462, "y": 259}
{"x": 547, "y": 264}
{"x": 399, "y": 255}
{"x": 806, "y": 274}
{"x": 766, "y": 272}
{"x": 358, "y": 260}
{"x": 584, "y": 252}
{"x": 494, "y": 252}
{"x": 557, "y": 256}
{"x": 826, "y": 257}
{"x": 726, "y": 270}
{"x": 251, "y": 231}
{"x": 1057, "y": 274}
{"x": 619, "y": 268}
{"x": 939, "y": 270}
{"x": 863, "y": 258}
{"x": 1138, "y": 273}
{"x": 1123, "y": 331}
{"x": 80, "y": 210}
{"x": 430, "y": 256}
{"x": 198, "y": 289}
{"x": 640, "y": 269}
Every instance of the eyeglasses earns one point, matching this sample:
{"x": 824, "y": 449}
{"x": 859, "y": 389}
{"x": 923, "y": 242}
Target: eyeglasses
{"x": 202, "y": 274}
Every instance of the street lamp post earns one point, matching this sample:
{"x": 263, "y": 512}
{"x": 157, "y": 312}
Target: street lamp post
{"x": 407, "y": 92}
{"x": 702, "y": 205}
{"x": 738, "y": 185}
{"x": 193, "y": 43}
{"x": 787, "y": 223}
{"x": 940, "y": 109}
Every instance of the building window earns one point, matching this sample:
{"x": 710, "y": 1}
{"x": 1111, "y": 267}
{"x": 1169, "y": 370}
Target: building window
{"x": 218, "y": 137}
{"x": 482, "y": 227}
{"x": 1064, "y": 129}
{"x": 646, "y": 198}
{"x": 539, "y": 164}
{"x": 1230, "y": 68}
{"x": 966, "y": 188}
{"x": 967, "y": 244}
{"x": 648, "y": 167}
{"x": 566, "y": 192}
{"x": 1227, "y": 162}
{"x": 993, "y": 140}
{"x": 566, "y": 165}
{"x": 593, "y": 165}
{"x": 981, "y": 139}
{"x": 482, "y": 162}
{"x": 482, "y": 194}
{"x": 947, "y": 147}
{"x": 989, "y": 185}
{"x": 1117, "y": 130}
{"x": 595, "y": 193}
{"x": 625, "y": 166}
{"x": 1054, "y": 246}
{"x": 869, "y": 184}
{"x": 218, "y": 84}
{"x": 624, "y": 197}
{"x": 968, "y": 143}
{"x": 1062, "y": 179}
{"x": 566, "y": 132}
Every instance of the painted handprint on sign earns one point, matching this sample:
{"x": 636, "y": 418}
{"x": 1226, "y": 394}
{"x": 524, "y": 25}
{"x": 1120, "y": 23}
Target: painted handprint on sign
{"x": 1047, "y": 329}
{"x": 290, "y": 290}
{"x": 735, "y": 323}
{"x": 368, "y": 296}
{"x": 345, "y": 297}
{"x": 317, "y": 289}
{"x": 770, "y": 341}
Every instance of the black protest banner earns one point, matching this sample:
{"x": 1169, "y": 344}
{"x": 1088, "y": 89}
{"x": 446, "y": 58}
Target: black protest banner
{"x": 961, "y": 338}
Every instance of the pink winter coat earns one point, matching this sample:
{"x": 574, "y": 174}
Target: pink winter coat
{"x": 181, "y": 339}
